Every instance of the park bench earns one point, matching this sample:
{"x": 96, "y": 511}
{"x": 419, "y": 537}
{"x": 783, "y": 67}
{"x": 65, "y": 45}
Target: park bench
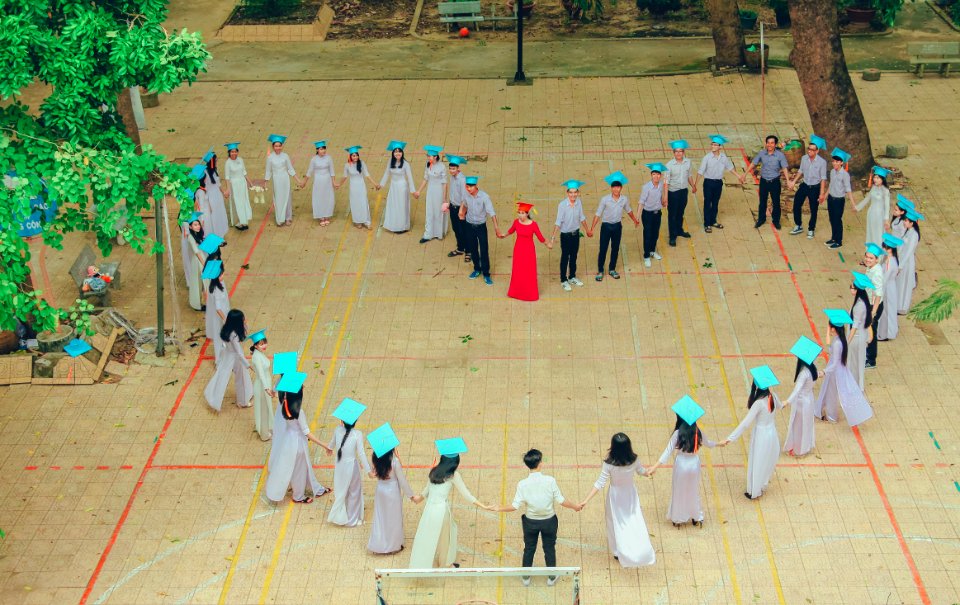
{"x": 78, "y": 271}
{"x": 460, "y": 12}
{"x": 943, "y": 53}
{"x": 494, "y": 17}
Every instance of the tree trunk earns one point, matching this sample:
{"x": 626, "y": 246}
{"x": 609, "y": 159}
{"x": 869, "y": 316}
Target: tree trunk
{"x": 125, "y": 109}
{"x": 832, "y": 101}
{"x": 727, "y": 33}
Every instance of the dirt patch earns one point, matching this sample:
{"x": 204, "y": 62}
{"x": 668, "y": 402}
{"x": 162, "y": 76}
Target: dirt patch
{"x": 365, "y": 19}
{"x": 305, "y": 14}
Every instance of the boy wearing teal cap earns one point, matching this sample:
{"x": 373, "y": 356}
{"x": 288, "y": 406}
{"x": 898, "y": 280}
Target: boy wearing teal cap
{"x": 675, "y": 191}
{"x": 813, "y": 189}
{"x": 651, "y": 206}
{"x": 475, "y": 209}
{"x": 456, "y": 190}
{"x": 610, "y": 212}
{"x": 871, "y": 260}
{"x": 838, "y": 192}
{"x": 712, "y": 168}
{"x": 570, "y": 218}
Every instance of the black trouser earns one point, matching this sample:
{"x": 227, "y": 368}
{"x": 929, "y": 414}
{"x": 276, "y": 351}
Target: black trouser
{"x": 806, "y": 193}
{"x": 651, "y": 230}
{"x": 835, "y": 211}
{"x": 676, "y": 204}
{"x": 459, "y": 230}
{"x": 609, "y": 236}
{"x": 478, "y": 247}
{"x": 569, "y": 247}
{"x": 872, "y": 345}
{"x": 712, "y": 188}
{"x": 769, "y": 188}
{"x": 532, "y": 529}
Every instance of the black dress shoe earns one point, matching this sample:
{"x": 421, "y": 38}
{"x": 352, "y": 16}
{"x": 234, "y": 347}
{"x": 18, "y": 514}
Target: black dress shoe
{"x": 776, "y": 226}
{"x": 684, "y": 234}
{"x": 759, "y": 224}
{"x": 423, "y": 240}
{"x": 673, "y": 243}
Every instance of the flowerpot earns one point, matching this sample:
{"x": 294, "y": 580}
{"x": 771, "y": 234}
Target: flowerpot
{"x": 793, "y": 150}
{"x": 50, "y": 342}
{"x": 748, "y": 21}
{"x": 149, "y": 99}
{"x": 526, "y": 9}
{"x": 752, "y": 55}
{"x": 858, "y": 14}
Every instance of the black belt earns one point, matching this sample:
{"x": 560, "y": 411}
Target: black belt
{"x": 770, "y": 180}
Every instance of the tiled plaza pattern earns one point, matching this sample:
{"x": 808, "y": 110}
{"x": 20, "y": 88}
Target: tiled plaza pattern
{"x": 136, "y": 493}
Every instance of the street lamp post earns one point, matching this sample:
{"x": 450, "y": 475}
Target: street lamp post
{"x": 519, "y": 77}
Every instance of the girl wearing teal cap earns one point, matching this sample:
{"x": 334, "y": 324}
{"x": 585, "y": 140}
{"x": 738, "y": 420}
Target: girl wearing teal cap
{"x": 764, "y": 440}
{"x": 210, "y": 184}
{"x": 879, "y": 200}
{"x": 218, "y": 305}
{"x": 800, "y": 429}
{"x": 435, "y": 180}
{"x": 193, "y": 259}
{"x": 889, "y": 326}
{"x": 907, "y": 273}
{"x": 289, "y": 464}
{"x": 897, "y": 226}
{"x": 396, "y": 213}
{"x": 323, "y": 173}
{"x": 279, "y": 170}
{"x": 347, "y": 507}
{"x": 861, "y": 332}
{"x": 356, "y": 172}
{"x": 839, "y": 389}
{"x": 263, "y": 392}
{"x": 235, "y": 171}
{"x": 386, "y": 535}
{"x": 232, "y": 361}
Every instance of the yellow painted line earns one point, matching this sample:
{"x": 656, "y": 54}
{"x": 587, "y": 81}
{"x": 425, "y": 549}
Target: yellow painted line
{"x": 726, "y": 385}
{"x": 235, "y": 559}
{"x": 721, "y": 523}
{"x": 330, "y": 374}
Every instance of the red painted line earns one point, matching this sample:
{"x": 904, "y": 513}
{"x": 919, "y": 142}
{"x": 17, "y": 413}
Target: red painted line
{"x": 205, "y": 467}
{"x": 103, "y": 468}
{"x": 156, "y": 446}
{"x": 252, "y": 467}
{"x": 916, "y": 465}
{"x": 942, "y": 465}
{"x": 29, "y": 468}
{"x": 54, "y": 468}
{"x": 127, "y": 467}
{"x": 891, "y": 465}
{"x": 253, "y": 246}
{"x": 78, "y": 468}
{"x": 520, "y": 358}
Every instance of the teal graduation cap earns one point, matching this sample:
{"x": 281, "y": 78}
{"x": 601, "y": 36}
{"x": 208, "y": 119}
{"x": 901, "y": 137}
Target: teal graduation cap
{"x": 687, "y": 409}
{"x": 764, "y": 377}
{"x": 616, "y": 177}
{"x": 232, "y": 146}
{"x": 679, "y": 144}
{"x": 805, "y": 349}
{"x": 396, "y": 145}
{"x": 208, "y": 155}
{"x": 198, "y": 171}
{"x": 656, "y": 167}
{"x": 277, "y": 138}
{"x": 913, "y": 215}
{"x": 210, "y": 243}
{"x": 820, "y": 142}
{"x": 861, "y": 281}
{"x": 874, "y": 249}
{"x": 881, "y": 171}
{"x": 194, "y": 216}
{"x": 838, "y": 317}
{"x": 258, "y": 336}
{"x": 319, "y": 144}
{"x": 382, "y": 439}
{"x": 719, "y": 139}
{"x": 455, "y": 160}
{"x": 292, "y": 382}
{"x": 451, "y": 447}
{"x": 433, "y": 149}
{"x": 285, "y": 362}
{"x": 840, "y": 153}
{"x": 354, "y": 149}
{"x": 212, "y": 269}
{"x": 471, "y": 180}
{"x": 904, "y": 202}
{"x": 349, "y": 410}
{"x": 892, "y": 241}
{"x": 76, "y": 347}
{"x": 573, "y": 184}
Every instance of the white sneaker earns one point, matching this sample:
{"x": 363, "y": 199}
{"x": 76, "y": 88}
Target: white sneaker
{"x": 551, "y": 580}
{"x": 575, "y": 281}
{"x": 796, "y": 230}
{"x": 810, "y": 234}
{"x": 656, "y": 255}
{"x": 526, "y": 580}
{"x": 566, "y": 285}
{"x": 646, "y": 262}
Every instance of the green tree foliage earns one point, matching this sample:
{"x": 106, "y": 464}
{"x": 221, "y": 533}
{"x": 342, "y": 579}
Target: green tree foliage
{"x": 73, "y": 148}
{"x": 940, "y": 305}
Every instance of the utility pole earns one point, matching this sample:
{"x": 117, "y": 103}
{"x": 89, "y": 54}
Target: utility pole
{"x": 161, "y": 336}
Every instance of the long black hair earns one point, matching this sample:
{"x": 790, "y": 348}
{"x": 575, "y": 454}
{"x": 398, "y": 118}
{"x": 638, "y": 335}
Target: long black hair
{"x": 212, "y": 166}
{"x": 891, "y": 251}
{"x": 358, "y": 164}
{"x": 842, "y": 336}
{"x": 621, "y": 451}
{"x": 861, "y": 294}
{"x": 382, "y": 465}
{"x": 883, "y": 180}
{"x": 444, "y": 469}
{"x": 394, "y": 163}
{"x": 801, "y": 364}
{"x": 233, "y": 325}
{"x": 689, "y": 436}
{"x": 216, "y": 282}
{"x": 756, "y": 394}
{"x": 915, "y": 225}
{"x": 290, "y": 404}
{"x": 435, "y": 158}
{"x": 348, "y": 427}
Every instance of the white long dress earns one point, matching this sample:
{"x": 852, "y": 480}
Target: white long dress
{"x": 218, "y": 300}
{"x": 897, "y": 227}
{"x": 262, "y": 402}
{"x": 889, "y": 326}
{"x": 839, "y": 387}
{"x": 235, "y": 171}
{"x": 218, "y": 210}
{"x": 347, "y": 507}
{"x": 627, "y": 535}
{"x": 359, "y": 205}
{"x": 279, "y": 170}
{"x": 764, "y": 444}
{"x": 233, "y": 362}
{"x": 192, "y": 268}
{"x": 907, "y": 274}
{"x": 879, "y": 199}
{"x": 201, "y": 203}
{"x": 435, "y": 544}
{"x": 396, "y": 216}
{"x": 857, "y": 345}
{"x": 386, "y": 535}
{"x": 289, "y": 465}
{"x": 321, "y": 169}
{"x": 800, "y": 436}
{"x": 685, "y": 498}
{"x": 434, "y": 225}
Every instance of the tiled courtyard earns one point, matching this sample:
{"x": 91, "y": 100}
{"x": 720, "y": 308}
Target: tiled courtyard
{"x": 136, "y": 493}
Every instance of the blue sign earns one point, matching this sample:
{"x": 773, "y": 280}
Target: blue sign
{"x": 41, "y": 211}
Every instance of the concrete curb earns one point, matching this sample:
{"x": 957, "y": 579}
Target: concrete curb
{"x": 940, "y": 13}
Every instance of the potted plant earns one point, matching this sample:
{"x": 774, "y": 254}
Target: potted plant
{"x": 526, "y": 8}
{"x": 748, "y": 19}
{"x": 751, "y": 55}
{"x": 860, "y": 11}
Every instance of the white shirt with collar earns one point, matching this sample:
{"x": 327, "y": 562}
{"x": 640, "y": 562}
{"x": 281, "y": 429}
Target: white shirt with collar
{"x": 539, "y": 493}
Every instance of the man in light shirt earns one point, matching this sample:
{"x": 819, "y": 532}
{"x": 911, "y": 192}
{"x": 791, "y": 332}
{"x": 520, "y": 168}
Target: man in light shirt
{"x": 871, "y": 260}
{"x": 712, "y": 168}
{"x": 679, "y": 183}
{"x": 539, "y": 493}
{"x": 813, "y": 189}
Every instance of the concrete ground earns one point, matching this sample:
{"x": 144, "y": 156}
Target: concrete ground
{"x": 135, "y": 492}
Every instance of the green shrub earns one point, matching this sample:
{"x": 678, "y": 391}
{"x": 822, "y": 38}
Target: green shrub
{"x": 259, "y": 9}
{"x": 658, "y": 8}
